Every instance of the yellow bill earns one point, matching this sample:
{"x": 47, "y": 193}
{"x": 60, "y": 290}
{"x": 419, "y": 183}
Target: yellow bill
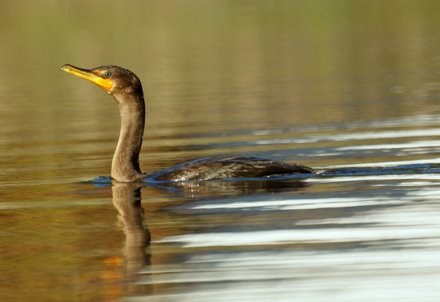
{"x": 105, "y": 83}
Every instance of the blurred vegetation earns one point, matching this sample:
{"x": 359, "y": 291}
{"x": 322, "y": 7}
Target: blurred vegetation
{"x": 238, "y": 61}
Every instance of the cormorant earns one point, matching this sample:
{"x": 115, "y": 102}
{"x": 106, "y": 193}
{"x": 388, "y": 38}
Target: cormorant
{"x": 126, "y": 89}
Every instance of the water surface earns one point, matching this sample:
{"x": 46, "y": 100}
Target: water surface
{"x": 347, "y": 85}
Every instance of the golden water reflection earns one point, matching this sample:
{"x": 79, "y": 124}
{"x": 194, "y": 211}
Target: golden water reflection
{"x": 127, "y": 200}
{"x": 259, "y": 77}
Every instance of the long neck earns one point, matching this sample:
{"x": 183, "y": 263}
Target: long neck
{"x": 125, "y": 165}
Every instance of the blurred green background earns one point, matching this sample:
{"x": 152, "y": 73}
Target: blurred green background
{"x": 238, "y": 61}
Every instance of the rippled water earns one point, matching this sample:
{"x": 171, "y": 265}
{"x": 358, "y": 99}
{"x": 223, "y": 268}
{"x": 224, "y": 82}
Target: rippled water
{"x": 349, "y": 88}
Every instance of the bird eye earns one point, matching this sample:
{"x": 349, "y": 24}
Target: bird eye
{"x": 107, "y": 74}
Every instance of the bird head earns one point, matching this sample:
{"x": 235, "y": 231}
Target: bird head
{"x": 113, "y": 79}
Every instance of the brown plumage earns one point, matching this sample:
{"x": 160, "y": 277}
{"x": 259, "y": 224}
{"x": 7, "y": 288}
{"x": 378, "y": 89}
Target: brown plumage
{"x": 228, "y": 167}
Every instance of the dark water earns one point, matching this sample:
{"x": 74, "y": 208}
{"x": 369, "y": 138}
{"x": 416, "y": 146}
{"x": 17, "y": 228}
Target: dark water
{"x": 346, "y": 85}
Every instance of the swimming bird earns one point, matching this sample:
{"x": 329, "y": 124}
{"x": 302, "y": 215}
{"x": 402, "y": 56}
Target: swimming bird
{"x": 126, "y": 89}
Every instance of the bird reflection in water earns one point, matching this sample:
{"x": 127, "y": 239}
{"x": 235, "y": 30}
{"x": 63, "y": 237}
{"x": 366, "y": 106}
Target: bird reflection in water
{"x": 137, "y": 252}
{"x": 127, "y": 200}
{"x": 220, "y": 188}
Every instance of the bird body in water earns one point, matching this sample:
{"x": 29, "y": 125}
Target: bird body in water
{"x": 126, "y": 89}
